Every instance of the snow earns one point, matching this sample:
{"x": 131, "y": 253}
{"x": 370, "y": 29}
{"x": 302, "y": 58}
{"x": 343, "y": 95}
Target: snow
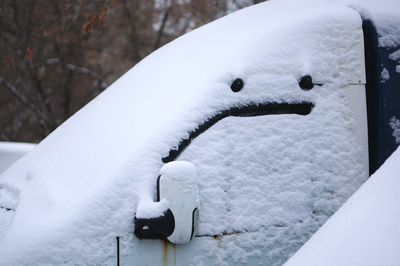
{"x": 82, "y": 185}
{"x": 394, "y": 123}
{"x": 178, "y": 185}
{"x": 388, "y": 29}
{"x": 395, "y": 56}
{"x": 249, "y": 181}
{"x": 365, "y": 231}
{"x": 10, "y": 152}
{"x": 385, "y": 16}
{"x": 177, "y": 170}
{"x": 180, "y": 171}
{"x": 385, "y": 76}
{"x": 8, "y": 204}
{"x": 147, "y": 208}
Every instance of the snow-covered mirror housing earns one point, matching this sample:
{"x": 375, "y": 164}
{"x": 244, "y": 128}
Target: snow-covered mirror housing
{"x": 177, "y": 189}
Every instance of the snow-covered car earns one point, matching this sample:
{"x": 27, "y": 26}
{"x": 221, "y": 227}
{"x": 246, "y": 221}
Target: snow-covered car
{"x": 231, "y": 145}
{"x": 364, "y": 231}
{"x": 10, "y": 152}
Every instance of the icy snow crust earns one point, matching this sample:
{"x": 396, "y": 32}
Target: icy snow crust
{"x": 365, "y": 231}
{"x": 81, "y": 186}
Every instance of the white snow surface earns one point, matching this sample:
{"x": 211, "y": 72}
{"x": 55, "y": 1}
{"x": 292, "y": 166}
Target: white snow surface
{"x": 282, "y": 174}
{"x": 81, "y": 186}
{"x": 395, "y": 56}
{"x": 182, "y": 171}
{"x": 385, "y": 15}
{"x": 10, "y": 152}
{"x": 365, "y": 231}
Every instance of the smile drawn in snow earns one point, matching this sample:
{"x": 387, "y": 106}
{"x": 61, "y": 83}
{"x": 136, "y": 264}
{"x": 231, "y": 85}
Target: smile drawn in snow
{"x": 250, "y": 110}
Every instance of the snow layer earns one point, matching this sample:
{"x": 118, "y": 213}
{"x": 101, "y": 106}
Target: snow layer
{"x": 285, "y": 174}
{"x": 181, "y": 171}
{"x": 394, "y": 123}
{"x": 385, "y": 76}
{"x": 10, "y": 152}
{"x": 385, "y": 15}
{"x": 395, "y": 56}
{"x": 82, "y": 185}
{"x": 365, "y": 231}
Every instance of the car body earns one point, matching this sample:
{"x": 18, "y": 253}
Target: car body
{"x": 275, "y": 156}
{"x": 10, "y": 152}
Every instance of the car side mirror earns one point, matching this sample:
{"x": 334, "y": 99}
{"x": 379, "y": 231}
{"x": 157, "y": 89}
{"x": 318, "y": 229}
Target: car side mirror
{"x": 177, "y": 187}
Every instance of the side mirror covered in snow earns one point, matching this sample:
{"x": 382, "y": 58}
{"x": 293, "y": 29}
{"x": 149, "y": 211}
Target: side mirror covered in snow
{"x": 177, "y": 188}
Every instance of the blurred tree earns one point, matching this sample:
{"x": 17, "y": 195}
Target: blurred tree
{"x": 57, "y": 55}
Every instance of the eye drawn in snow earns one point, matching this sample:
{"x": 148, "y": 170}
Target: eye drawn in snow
{"x": 237, "y": 85}
{"x": 394, "y": 123}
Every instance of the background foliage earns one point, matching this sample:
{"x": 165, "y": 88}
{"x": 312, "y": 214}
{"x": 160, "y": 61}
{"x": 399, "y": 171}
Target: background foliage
{"x": 57, "y": 55}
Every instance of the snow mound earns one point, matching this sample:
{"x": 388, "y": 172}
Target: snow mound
{"x": 365, "y": 231}
{"x": 10, "y": 152}
{"x": 180, "y": 170}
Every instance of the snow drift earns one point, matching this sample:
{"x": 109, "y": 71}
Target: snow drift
{"x": 365, "y": 231}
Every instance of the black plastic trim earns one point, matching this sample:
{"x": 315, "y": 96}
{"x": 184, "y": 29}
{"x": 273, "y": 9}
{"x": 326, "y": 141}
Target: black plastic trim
{"x": 158, "y": 187}
{"x": 118, "y": 251}
{"x": 193, "y": 219}
{"x": 374, "y": 98}
{"x": 158, "y": 227}
{"x": 155, "y": 228}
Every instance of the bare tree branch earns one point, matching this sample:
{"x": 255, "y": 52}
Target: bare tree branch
{"x": 42, "y": 117}
{"x": 162, "y": 27}
{"x": 82, "y": 70}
